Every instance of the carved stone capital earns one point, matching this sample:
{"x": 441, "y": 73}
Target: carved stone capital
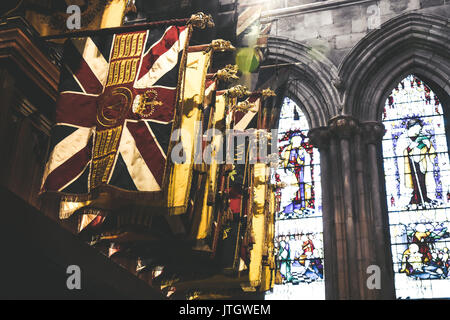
{"x": 319, "y": 137}
{"x": 372, "y": 132}
{"x": 344, "y": 126}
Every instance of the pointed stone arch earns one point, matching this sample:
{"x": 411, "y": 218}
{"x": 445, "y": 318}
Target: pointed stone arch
{"x": 411, "y": 43}
{"x": 312, "y": 78}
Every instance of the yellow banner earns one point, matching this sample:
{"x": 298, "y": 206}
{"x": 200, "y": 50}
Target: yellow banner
{"x": 258, "y": 223}
{"x": 193, "y": 95}
{"x": 203, "y": 229}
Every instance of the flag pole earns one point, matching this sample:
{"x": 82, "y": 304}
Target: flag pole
{"x": 113, "y": 30}
{"x": 198, "y": 20}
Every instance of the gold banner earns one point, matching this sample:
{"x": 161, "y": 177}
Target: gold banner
{"x": 193, "y": 96}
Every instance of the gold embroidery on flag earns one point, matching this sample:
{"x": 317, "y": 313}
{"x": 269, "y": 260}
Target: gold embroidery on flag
{"x": 126, "y": 55}
{"x": 105, "y": 149}
{"x": 111, "y": 74}
{"x": 127, "y": 70}
{"x": 128, "y": 45}
{"x": 116, "y": 47}
{"x": 122, "y": 71}
{"x": 113, "y": 106}
{"x": 140, "y": 44}
{"x": 116, "y": 73}
{"x": 122, "y": 46}
{"x": 147, "y": 103}
{"x": 133, "y": 64}
{"x": 133, "y": 45}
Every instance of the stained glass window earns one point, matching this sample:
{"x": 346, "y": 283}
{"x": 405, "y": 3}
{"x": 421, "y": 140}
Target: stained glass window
{"x": 416, "y": 164}
{"x": 298, "y": 223}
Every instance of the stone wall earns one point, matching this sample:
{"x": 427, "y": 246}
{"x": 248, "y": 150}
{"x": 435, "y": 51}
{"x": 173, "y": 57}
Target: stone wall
{"x": 334, "y": 27}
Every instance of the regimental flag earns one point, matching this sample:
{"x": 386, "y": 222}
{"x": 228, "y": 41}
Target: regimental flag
{"x": 258, "y": 221}
{"x": 197, "y": 91}
{"x": 209, "y": 155}
{"x": 210, "y": 88}
{"x": 260, "y": 217}
{"x": 243, "y": 117}
{"x": 268, "y": 261}
{"x": 116, "y": 110}
{"x": 198, "y": 195}
{"x": 209, "y": 100}
{"x": 204, "y": 209}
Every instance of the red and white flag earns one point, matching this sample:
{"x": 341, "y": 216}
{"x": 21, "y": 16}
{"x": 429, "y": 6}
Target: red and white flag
{"x": 115, "y": 112}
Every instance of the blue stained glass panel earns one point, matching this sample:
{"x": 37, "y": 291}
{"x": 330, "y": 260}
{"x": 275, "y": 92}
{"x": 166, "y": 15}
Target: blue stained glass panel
{"x": 416, "y": 164}
{"x": 298, "y": 225}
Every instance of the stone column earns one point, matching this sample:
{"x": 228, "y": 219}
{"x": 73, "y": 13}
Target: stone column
{"x": 355, "y": 219}
{"x": 373, "y": 132}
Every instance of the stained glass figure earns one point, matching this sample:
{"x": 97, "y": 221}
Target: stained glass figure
{"x": 426, "y": 257}
{"x": 416, "y": 159}
{"x": 298, "y": 258}
{"x": 298, "y": 225}
{"x": 297, "y": 156}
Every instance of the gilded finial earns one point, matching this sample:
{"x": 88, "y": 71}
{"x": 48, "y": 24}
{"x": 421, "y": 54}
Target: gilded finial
{"x": 228, "y": 73}
{"x": 220, "y": 45}
{"x": 238, "y": 91}
{"x": 201, "y": 20}
{"x": 268, "y": 93}
{"x": 245, "y": 106}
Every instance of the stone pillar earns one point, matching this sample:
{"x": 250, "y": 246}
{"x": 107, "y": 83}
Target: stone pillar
{"x": 354, "y": 213}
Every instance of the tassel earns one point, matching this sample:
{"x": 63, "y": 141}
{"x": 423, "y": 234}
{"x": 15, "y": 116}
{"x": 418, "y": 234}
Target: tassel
{"x": 131, "y": 7}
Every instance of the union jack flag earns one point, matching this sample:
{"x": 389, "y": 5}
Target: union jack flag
{"x": 115, "y": 112}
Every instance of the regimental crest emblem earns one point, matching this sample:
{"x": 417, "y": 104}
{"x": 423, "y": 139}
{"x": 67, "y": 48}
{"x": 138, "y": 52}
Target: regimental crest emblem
{"x": 113, "y": 107}
{"x": 144, "y": 105}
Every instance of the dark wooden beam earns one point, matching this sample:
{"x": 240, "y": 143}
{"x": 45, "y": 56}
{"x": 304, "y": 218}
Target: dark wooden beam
{"x": 18, "y": 48}
{"x": 36, "y": 252}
